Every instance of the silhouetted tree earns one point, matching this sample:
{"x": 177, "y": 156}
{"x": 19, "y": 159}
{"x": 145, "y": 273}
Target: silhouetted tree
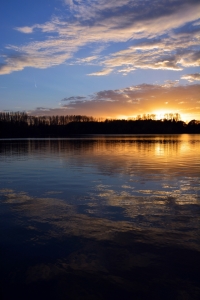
{"x": 19, "y": 124}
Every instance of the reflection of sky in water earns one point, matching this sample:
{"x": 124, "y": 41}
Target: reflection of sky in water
{"x": 55, "y": 193}
{"x": 147, "y": 180}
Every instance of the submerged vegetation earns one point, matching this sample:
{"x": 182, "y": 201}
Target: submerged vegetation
{"x": 20, "y": 124}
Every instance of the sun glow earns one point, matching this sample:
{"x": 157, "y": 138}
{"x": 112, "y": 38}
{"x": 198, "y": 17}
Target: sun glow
{"x": 157, "y": 114}
{"x": 161, "y": 114}
{"x": 166, "y": 114}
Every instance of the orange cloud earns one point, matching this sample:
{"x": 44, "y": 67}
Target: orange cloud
{"x": 133, "y": 101}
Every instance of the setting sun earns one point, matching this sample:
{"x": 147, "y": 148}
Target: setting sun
{"x": 163, "y": 114}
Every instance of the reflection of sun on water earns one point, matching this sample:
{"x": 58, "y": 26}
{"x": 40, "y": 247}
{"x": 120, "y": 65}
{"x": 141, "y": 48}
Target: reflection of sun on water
{"x": 159, "y": 150}
{"x": 180, "y": 145}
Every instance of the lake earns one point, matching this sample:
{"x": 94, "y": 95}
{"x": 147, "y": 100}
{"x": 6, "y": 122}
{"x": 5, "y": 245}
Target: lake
{"x": 100, "y": 217}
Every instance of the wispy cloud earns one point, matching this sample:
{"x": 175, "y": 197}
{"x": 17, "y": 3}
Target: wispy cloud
{"x": 25, "y": 29}
{"x": 86, "y": 60}
{"x": 191, "y": 77}
{"x": 74, "y": 98}
{"x": 170, "y": 44}
{"x": 166, "y": 53}
{"x": 101, "y": 73}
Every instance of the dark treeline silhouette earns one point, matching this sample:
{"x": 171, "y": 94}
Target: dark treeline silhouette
{"x": 21, "y": 125}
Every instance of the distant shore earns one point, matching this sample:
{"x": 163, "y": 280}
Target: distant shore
{"x": 19, "y": 125}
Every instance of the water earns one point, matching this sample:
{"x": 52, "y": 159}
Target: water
{"x": 99, "y": 217}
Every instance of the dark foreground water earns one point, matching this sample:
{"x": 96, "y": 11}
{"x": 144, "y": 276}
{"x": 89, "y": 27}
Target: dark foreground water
{"x": 113, "y": 217}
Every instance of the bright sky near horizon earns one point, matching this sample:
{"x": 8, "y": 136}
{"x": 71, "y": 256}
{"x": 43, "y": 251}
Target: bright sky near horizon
{"x": 113, "y": 59}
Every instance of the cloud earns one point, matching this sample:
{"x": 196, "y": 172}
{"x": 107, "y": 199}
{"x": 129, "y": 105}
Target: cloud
{"x": 189, "y": 59}
{"x": 74, "y": 98}
{"x": 25, "y": 29}
{"x": 166, "y": 53}
{"x": 144, "y": 60}
{"x": 191, "y": 77}
{"x": 87, "y": 59}
{"x": 170, "y": 83}
{"x": 34, "y": 59}
{"x": 69, "y": 2}
{"x": 43, "y": 109}
{"x": 101, "y": 73}
{"x": 46, "y": 111}
{"x": 126, "y": 70}
{"x": 133, "y": 100}
{"x": 171, "y": 33}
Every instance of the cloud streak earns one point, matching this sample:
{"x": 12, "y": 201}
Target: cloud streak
{"x": 25, "y": 29}
{"x": 101, "y": 73}
{"x": 191, "y": 77}
{"x": 169, "y": 45}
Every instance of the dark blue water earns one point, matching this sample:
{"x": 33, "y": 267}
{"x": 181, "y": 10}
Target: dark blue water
{"x": 100, "y": 217}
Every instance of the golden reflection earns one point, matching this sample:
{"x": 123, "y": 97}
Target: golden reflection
{"x": 149, "y": 154}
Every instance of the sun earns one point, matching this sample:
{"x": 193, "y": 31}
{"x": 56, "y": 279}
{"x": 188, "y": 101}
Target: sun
{"x": 160, "y": 114}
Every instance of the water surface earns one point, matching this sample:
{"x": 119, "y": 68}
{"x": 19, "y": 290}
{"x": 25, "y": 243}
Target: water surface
{"x": 97, "y": 217}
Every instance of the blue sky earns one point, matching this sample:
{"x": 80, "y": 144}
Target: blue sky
{"x": 101, "y": 58}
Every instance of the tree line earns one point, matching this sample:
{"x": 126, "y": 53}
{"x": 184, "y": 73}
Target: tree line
{"x": 21, "y": 117}
{"x": 20, "y": 124}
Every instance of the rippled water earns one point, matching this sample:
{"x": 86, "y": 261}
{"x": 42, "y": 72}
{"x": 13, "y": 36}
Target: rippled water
{"x": 100, "y": 217}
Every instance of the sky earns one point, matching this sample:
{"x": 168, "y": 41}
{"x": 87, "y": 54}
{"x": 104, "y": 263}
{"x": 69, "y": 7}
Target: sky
{"x": 109, "y": 59}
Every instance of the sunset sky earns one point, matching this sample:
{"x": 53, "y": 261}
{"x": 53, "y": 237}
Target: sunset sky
{"x": 110, "y": 59}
